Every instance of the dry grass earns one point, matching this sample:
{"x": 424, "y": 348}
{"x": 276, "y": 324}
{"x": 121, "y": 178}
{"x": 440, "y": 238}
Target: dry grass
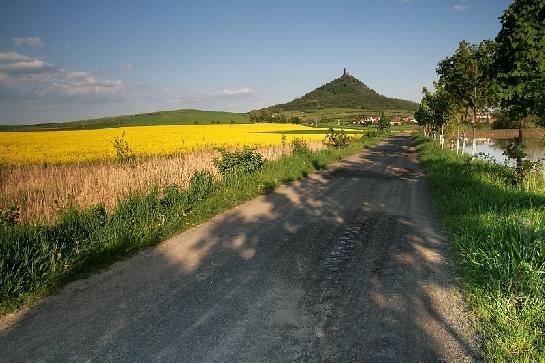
{"x": 41, "y": 192}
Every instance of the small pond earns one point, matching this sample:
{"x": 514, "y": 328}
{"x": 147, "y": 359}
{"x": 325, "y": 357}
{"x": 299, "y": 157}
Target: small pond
{"x": 494, "y": 148}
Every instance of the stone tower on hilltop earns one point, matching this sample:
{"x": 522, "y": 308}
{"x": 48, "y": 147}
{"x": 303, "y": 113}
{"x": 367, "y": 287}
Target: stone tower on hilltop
{"x": 345, "y": 73}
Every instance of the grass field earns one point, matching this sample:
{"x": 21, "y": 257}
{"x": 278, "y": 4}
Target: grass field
{"x": 499, "y": 236}
{"x": 177, "y": 117}
{"x": 54, "y": 147}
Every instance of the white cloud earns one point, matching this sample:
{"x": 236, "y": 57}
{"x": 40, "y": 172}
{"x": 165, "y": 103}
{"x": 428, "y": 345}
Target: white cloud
{"x": 84, "y": 86}
{"x": 127, "y": 67}
{"x": 27, "y": 66}
{"x": 460, "y": 7}
{"x": 233, "y": 92}
{"x": 33, "y": 77}
{"x": 77, "y": 74}
{"x": 200, "y": 99}
{"x": 33, "y": 42}
{"x": 12, "y": 57}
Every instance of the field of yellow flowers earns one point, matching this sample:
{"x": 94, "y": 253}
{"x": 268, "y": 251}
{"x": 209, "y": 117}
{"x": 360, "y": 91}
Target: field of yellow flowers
{"x": 59, "y": 147}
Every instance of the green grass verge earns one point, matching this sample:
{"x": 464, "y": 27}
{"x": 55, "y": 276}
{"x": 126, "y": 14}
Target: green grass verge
{"x": 499, "y": 236}
{"x": 36, "y": 259}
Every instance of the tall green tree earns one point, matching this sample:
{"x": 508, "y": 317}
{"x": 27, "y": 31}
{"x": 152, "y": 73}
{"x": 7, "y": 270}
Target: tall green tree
{"x": 442, "y": 108}
{"x": 424, "y": 115}
{"x": 384, "y": 122}
{"x": 520, "y": 59}
{"x": 435, "y": 110}
{"x": 487, "y": 95}
{"x": 468, "y": 78}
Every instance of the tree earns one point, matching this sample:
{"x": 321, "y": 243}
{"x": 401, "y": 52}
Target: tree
{"x": 424, "y": 115}
{"x": 520, "y": 59}
{"x": 435, "y": 109}
{"x": 263, "y": 115}
{"x": 468, "y": 78}
{"x": 442, "y": 108}
{"x": 487, "y": 88}
{"x": 384, "y": 122}
{"x": 520, "y": 67}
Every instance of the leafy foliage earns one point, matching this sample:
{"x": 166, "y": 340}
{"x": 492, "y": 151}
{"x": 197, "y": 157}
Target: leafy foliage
{"x": 435, "y": 109}
{"x": 467, "y": 76}
{"x": 234, "y": 163}
{"x": 299, "y": 147}
{"x": 384, "y": 123}
{"x": 123, "y": 150}
{"x": 10, "y": 216}
{"x": 336, "y": 138}
{"x": 200, "y": 186}
{"x": 520, "y": 58}
{"x": 504, "y": 121}
{"x": 515, "y": 150}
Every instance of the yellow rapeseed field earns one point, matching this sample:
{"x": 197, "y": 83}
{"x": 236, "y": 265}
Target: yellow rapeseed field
{"x": 91, "y": 145}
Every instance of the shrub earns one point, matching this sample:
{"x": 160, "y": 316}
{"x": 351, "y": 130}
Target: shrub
{"x": 123, "y": 150}
{"x": 200, "y": 186}
{"x": 299, "y": 147}
{"x": 245, "y": 161}
{"x": 337, "y": 139}
{"x": 296, "y": 120}
{"x": 384, "y": 123}
{"x": 371, "y": 133}
{"x": 10, "y": 216}
{"x": 172, "y": 195}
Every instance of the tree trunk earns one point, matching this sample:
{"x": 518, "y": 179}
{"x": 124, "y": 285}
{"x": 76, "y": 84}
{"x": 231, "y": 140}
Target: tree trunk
{"x": 518, "y": 167}
{"x": 474, "y": 124}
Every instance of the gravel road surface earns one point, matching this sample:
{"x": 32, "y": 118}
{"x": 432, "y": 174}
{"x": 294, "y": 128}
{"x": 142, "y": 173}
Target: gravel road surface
{"x": 349, "y": 264}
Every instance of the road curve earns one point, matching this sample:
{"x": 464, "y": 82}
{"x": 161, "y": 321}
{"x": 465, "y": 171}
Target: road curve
{"x": 349, "y": 264}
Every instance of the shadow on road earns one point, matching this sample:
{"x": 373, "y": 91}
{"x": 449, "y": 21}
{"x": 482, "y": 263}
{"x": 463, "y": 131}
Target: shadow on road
{"x": 346, "y": 265}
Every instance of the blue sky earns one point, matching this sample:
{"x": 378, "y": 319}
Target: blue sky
{"x": 67, "y": 60}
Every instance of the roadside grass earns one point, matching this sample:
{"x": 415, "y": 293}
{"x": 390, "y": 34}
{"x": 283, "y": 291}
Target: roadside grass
{"x": 499, "y": 237}
{"x": 35, "y": 259}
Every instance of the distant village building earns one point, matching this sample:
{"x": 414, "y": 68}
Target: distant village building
{"x": 485, "y": 118}
{"x": 396, "y": 120}
{"x": 369, "y": 120}
{"x": 409, "y": 120}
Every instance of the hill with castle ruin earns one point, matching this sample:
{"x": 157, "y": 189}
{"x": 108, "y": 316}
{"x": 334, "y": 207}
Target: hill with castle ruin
{"x": 345, "y": 92}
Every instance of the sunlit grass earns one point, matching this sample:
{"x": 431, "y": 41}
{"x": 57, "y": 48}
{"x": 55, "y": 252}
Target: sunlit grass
{"x": 499, "y": 236}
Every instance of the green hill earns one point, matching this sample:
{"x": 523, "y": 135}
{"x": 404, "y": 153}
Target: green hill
{"x": 345, "y": 92}
{"x": 178, "y": 117}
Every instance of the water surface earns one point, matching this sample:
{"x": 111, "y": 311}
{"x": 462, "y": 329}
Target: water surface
{"x": 495, "y": 147}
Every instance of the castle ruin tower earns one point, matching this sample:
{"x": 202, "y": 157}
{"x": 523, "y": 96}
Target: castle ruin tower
{"x": 344, "y": 73}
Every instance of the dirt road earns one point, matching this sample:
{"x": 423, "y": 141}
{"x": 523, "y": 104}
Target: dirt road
{"x": 346, "y": 265}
